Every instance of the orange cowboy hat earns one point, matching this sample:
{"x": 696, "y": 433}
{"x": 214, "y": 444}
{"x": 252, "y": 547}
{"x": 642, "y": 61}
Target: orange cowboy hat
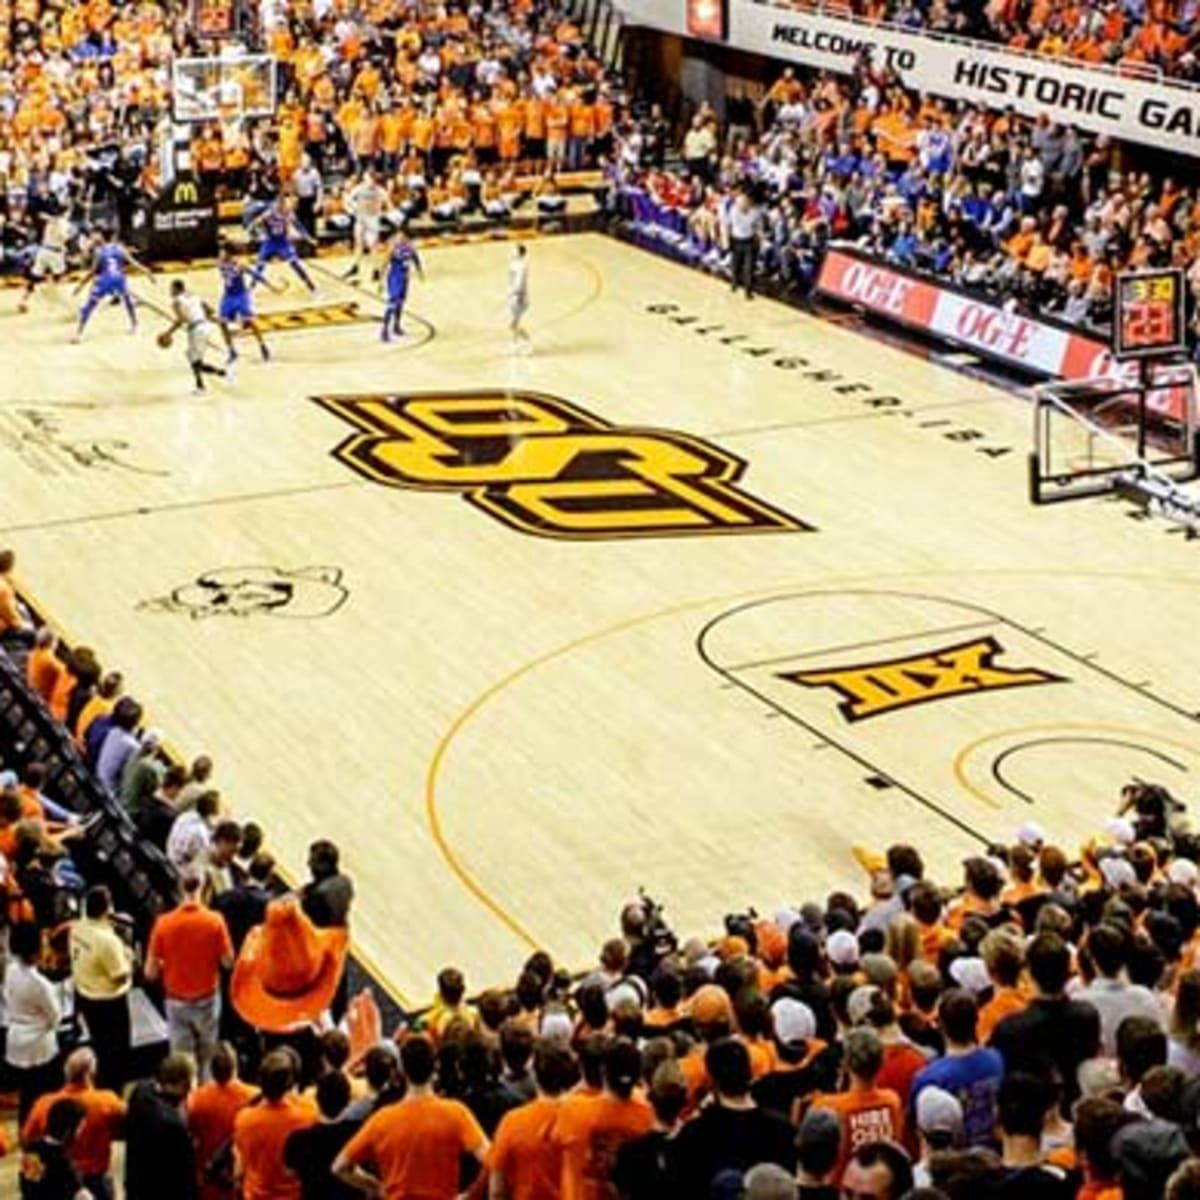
{"x": 288, "y": 970}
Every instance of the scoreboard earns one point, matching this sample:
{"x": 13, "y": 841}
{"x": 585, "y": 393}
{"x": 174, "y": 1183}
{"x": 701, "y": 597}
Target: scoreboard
{"x": 1148, "y": 313}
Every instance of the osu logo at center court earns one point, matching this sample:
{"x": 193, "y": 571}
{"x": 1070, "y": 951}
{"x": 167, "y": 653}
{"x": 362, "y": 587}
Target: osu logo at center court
{"x": 544, "y": 466}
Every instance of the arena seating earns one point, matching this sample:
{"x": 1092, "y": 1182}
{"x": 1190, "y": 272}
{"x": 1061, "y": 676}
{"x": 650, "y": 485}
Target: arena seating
{"x": 141, "y": 880}
{"x": 1031, "y": 212}
{"x": 829, "y": 1042}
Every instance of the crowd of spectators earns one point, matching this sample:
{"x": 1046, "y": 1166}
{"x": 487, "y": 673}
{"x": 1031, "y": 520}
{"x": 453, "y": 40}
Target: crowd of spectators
{"x": 442, "y": 101}
{"x": 1030, "y": 1030}
{"x": 1136, "y": 37}
{"x": 1032, "y": 212}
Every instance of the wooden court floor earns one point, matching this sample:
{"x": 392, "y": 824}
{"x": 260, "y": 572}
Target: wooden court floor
{"x": 696, "y": 597}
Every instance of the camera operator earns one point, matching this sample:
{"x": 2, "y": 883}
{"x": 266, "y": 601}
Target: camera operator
{"x": 647, "y": 936}
{"x": 1152, "y": 805}
{"x": 642, "y": 958}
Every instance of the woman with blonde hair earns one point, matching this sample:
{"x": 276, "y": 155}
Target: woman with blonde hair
{"x": 903, "y": 946}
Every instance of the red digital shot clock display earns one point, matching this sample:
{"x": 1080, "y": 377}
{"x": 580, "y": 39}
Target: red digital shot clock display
{"x": 1148, "y": 314}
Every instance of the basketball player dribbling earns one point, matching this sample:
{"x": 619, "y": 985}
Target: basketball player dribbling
{"x": 196, "y": 317}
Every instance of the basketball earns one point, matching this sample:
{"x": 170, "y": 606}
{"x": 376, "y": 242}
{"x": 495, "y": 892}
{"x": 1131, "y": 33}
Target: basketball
{"x": 163, "y": 339}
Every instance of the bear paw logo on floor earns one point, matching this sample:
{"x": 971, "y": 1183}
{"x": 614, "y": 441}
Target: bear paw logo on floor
{"x": 305, "y": 594}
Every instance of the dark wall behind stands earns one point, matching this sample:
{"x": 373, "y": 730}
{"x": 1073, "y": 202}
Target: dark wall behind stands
{"x": 681, "y": 73}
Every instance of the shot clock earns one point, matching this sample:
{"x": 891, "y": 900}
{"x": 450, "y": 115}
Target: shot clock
{"x": 1148, "y": 313}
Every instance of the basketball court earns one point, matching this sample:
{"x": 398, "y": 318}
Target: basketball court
{"x": 697, "y": 597}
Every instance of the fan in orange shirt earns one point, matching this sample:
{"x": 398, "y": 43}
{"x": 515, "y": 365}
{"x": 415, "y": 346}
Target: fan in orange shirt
{"x": 413, "y": 1146}
{"x": 211, "y": 1111}
{"x": 261, "y": 1130}
{"x": 558, "y": 117}
{"x": 104, "y": 1113}
{"x": 582, "y": 129}
{"x": 484, "y": 131}
{"x": 392, "y": 135}
{"x": 368, "y": 82}
{"x": 1022, "y": 865}
{"x": 590, "y": 1132}
{"x": 866, "y": 1113}
{"x": 99, "y": 705}
{"x": 423, "y": 126}
{"x": 290, "y": 150}
{"x": 1004, "y": 957}
{"x": 712, "y": 1014}
{"x": 510, "y": 122}
{"x": 324, "y": 94}
{"x": 80, "y": 674}
{"x": 44, "y": 668}
{"x": 525, "y": 1162}
{"x": 535, "y": 128}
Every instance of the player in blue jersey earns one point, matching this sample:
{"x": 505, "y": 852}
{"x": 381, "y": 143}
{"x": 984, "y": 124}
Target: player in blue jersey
{"x": 109, "y": 264}
{"x": 279, "y": 224}
{"x": 399, "y": 259}
{"x": 236, "y": 307}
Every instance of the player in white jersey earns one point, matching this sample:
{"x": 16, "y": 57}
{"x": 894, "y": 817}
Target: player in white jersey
{"x": 50, "y": 257}
{"x": 518, "y": 298}
{"x": 195, "y": 316}
{"x": 367, "y": 201}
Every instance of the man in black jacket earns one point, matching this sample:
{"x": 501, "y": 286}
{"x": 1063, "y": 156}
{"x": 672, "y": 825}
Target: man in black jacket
{"x": 1067, "y": 1032}
{"x": 732, "y": 1133}
{"x": 159, "y": 1157}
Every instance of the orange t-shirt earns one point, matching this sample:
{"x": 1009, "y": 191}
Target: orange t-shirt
{"x": 590, "y": 1131}
{"x": 93, "y": 710}
{"x": 557, "y": 119}
{"x": 1092, "y": 1190}
{"x": 190, "y": 941}
{"x": 43, "y": 671}
{"x": 91, "y": 1151}
{"x": 414, "y": 1147}
{"x": 422, "y": 131}
{"x": 583, "y": 120}
{"x": 64, "y": 685}
{"x": 483, "y": 122}
{"x": 1004, "y": 1002}
{"x": 211, "y": 1112}
{"x": 695, "y": 1077}
{"x": 868, "y": 1116}
{"x": 259, "y": 1134}
{"x": 524, "y": 1151}
{"x": 535, "y": 118}
{"x": 391, "y": 132}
